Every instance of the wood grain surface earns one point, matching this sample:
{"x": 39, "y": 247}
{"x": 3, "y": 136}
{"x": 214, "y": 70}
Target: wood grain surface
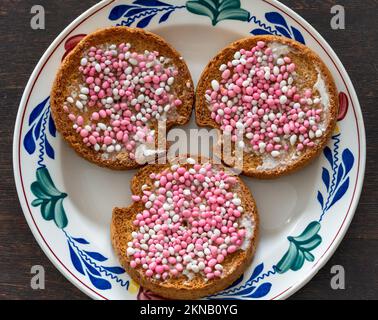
{"x": 20, "y": 49}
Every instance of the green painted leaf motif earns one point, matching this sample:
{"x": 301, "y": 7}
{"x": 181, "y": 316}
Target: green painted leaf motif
{"x": 198, "y": 8}
{"x": 49, "y": 198}
{"x": 47, "y": 210}
{"x": 60, "y": 214}
{"x": 37, "y": 202}
{"x": 218, "y": 10}
{"x": 38, "y": 191}
{"x": 229, "y": 4}
{"x": 210, "y": 4}
{"x": 286, "y": 261}
{"x": 299, "y": 249}
{"x": 311, "y": 230}
{"x": 233, "y": 14}
{"x": 299, "y": 261}
{"x": 312, "y": 244}
{"x": 309, "y": 257}
{"x": 46, "y": 183}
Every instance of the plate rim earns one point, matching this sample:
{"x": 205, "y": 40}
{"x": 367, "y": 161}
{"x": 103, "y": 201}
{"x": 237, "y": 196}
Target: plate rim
{"x": 100, "y": 6}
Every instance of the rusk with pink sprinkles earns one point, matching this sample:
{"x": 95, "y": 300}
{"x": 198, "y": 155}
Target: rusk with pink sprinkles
{"x": 277, "y": 95}
{"x": 192, "y": 228}
{"x": 112, "y": 90}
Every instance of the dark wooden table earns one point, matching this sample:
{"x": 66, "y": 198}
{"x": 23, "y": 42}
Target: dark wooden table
{"x": 20, "y": 49}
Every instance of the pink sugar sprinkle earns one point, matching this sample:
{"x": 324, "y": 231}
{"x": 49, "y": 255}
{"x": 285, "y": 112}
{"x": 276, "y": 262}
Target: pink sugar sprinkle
{"x": 92, "y": 140}
{"x": 107, "y": 140}
{"x": 84, "y": 133}
{"x": 89, "y": 80}
{"x": 80, "y": 120}
{"x": 95, "y": 116}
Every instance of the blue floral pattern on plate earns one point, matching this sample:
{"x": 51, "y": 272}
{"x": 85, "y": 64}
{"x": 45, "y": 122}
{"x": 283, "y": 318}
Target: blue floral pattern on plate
{"x": 142, "y": 12}
{"x": 281, "y": 27}
{"x": 91, "y": 264}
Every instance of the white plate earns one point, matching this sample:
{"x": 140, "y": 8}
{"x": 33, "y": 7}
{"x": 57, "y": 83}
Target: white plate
{"x": 303, "y": 216}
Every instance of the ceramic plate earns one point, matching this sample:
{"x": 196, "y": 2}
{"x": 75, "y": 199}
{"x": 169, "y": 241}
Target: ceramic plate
{"x": 68, "y": 202}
